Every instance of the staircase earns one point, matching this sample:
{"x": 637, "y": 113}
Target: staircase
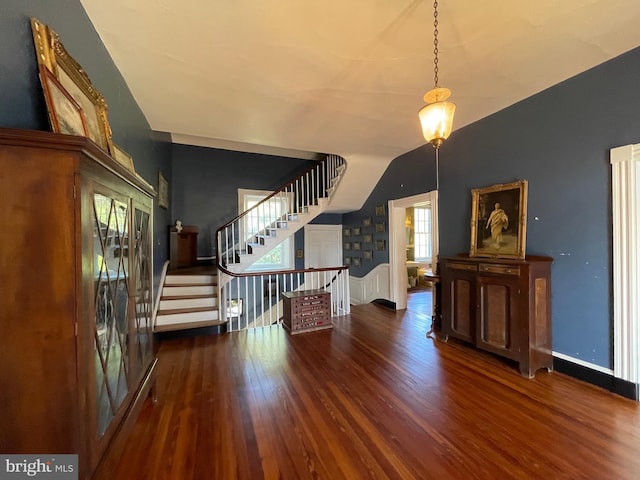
{"x": 253, "y": 233}
{"x": 189, "y": 300}
{"x": 189, "y": 297}
{"x": 281, "y": 229}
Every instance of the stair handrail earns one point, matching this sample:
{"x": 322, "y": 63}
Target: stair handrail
{"x": 330, "y": 164}
{"x": 260, "y": 298}
{"x": 286, "y": 272}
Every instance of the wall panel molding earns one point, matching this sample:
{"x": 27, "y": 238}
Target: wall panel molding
{"x": 625, "y": 179}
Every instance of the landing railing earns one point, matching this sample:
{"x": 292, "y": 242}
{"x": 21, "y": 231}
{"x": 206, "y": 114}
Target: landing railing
{"x": 247, "y": 230}
{"x": 251, "y": 300}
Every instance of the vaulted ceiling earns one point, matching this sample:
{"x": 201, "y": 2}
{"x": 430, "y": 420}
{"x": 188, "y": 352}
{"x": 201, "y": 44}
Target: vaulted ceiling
{"x": 345, "y": 76}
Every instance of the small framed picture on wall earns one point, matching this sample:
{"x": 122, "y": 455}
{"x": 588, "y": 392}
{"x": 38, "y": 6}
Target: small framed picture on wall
{"x": 163, "y": 191}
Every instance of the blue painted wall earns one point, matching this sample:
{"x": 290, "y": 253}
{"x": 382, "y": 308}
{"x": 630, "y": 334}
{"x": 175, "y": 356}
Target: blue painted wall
{"x": 206, "y": 182}
{"x": 558, "y": 140}
{"x": 22, "y": 101}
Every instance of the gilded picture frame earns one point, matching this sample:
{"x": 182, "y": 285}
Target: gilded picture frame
{"x": 499, "y": 220}
{"x": 122, "y": 158}
{"x": 65, "y": 114}
{"x": 51, "y": 53}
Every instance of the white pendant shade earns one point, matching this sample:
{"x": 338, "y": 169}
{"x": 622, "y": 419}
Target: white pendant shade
{"x": 437, "y": 121}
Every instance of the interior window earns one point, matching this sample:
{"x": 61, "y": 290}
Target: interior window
{"x": 281, "y": 256}
{"x": 422, "y": 239}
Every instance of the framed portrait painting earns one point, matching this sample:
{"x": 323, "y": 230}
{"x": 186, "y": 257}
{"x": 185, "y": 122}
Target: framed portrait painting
{"x": 65, "y": 114}
{"x": 51, "y": 54}
{"x": 499, "y": 220}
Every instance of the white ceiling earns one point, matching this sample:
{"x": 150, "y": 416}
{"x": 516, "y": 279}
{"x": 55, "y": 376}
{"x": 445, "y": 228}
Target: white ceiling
{"x": 345, "y": 76}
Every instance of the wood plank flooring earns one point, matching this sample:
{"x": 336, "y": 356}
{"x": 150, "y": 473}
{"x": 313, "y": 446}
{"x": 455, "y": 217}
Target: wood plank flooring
{"x": 371, "y": 398}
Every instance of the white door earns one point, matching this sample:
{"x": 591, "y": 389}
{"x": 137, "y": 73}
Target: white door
{"x": 322, "y": 246}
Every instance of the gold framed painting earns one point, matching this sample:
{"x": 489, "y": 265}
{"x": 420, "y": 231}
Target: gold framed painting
{"x": 122, "y": 157}
{"x": 499, "y": 220}
{"x": 51, "y": 53}
{"x": 65, "y": 114}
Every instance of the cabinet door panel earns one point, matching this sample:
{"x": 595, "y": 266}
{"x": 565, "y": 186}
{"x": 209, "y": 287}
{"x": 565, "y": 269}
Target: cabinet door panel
{"x": 111, "y": 304}
{"x": 494, "y": 303}
{"x": 462, "y": 316}
{"x": 498, "y": 315}
{"x": 142, "y": 338}
{"x": 458, "y": 305}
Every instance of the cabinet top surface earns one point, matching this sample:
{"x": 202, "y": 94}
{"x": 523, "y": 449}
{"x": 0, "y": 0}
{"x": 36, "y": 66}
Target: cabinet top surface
{"x": 14, "y": 137}
{"x": 511, "y": 261}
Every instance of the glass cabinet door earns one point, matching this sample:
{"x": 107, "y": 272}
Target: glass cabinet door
{"x": 141, "y": 263}
{"x": 111, "y": 300}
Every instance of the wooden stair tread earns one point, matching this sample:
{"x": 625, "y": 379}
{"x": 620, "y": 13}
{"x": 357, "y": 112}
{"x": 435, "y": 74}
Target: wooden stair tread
{"x": 167, "y": 284}
{"x": 186, "y": 326}
{"x": 187, "y": 310}
{"x": 187, "y": 297}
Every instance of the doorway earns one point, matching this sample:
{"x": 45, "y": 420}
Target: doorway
{"x": 322, "y": 246}
{"x": 398, "y": 241}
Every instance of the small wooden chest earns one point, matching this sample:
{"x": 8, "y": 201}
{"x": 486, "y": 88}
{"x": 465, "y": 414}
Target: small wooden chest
{"x": 306, "y": 311}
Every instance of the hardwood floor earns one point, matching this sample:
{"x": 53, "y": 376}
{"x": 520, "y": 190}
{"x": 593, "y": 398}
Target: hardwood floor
{"x": 371, "y": 398}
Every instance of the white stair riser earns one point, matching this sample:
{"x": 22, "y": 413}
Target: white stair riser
{"x": 189, "y": 279}
{"x": 167, "y": 304}
{"x": 187, "y": 317}
{"x": 169, "y": 291}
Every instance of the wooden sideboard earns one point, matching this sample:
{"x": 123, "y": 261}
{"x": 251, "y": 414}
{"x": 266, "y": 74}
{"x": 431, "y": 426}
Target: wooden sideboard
{"x": 501, "y": 306}
{"x": 76, "y": 351}
{"x": 306, "y": 310}
{"x": 183, "y": 247}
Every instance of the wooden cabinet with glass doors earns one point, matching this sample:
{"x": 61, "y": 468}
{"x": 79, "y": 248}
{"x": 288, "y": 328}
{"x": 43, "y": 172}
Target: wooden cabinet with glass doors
{"x": 76, "y": 351}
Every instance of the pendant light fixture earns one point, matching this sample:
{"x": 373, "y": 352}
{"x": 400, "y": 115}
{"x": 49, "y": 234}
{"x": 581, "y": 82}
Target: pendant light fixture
{"x": 436, "y": 117}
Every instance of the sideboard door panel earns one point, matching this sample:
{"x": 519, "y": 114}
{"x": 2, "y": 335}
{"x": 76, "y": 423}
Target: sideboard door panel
{"x": 458, "y": 303}
{"x": 498, "y": 315}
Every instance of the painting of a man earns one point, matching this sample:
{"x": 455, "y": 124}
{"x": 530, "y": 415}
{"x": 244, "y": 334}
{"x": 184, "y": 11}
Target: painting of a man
{"x": 498, "y": 221}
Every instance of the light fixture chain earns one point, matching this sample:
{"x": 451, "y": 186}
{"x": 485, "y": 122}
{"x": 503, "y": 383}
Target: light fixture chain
{"x": 435, "y": 42}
